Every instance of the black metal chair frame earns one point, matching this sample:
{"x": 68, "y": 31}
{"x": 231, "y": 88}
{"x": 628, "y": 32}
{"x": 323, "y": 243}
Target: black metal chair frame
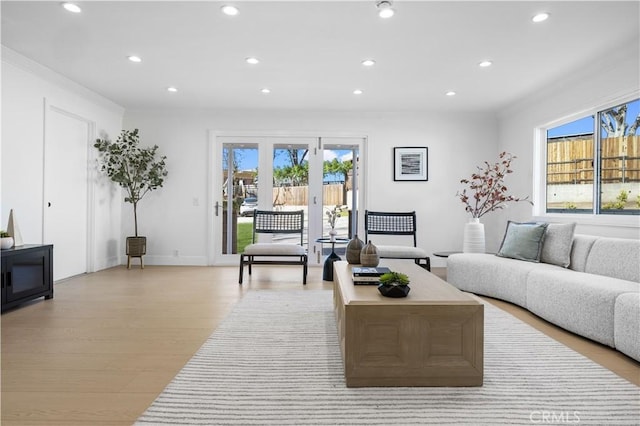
{"x": 276, "y": 222}
{"x": 394, "y": 223}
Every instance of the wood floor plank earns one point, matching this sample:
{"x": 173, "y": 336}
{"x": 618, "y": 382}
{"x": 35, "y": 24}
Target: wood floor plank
{"x": 108, "y": 343}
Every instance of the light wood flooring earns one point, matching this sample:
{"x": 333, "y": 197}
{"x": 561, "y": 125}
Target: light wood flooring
{"x": 108, "y": 343}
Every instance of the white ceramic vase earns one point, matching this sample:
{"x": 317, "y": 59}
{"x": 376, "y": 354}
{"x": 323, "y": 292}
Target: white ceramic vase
{"x": 332, "y": 235}
{"x": 473, "y": 236}
{"x": 6, "y": 243}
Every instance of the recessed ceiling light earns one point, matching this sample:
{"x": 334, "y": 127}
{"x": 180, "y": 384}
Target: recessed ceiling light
{"x": 134, "y": 58}
{"x": 71, "y": 7}
{"x": 251, "y": 60}
{"x": 266, "y": 90}
{"x": 485, "y": 64}
{"x": 385, "y": 9}
{"x": 368, "y": 62}
{"x": 229, "y": 10}
{"x": 357, "y": 92}
{"x": 540, "y": 17}
{"x": 450, "y": 93}
{"x": 171, "y": 89}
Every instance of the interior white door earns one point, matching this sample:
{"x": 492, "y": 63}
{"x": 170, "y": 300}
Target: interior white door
{"x": 65, "y": 191}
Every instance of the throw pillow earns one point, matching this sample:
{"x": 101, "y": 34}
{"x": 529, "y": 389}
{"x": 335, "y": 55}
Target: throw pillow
{"x": 523, "y": 241}
{"x": 558, "y": 241}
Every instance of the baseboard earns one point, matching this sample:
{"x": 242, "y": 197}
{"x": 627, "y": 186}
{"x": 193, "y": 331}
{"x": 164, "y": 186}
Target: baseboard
{"x": 107, "y": 263}
{"x": 172, "y": 260}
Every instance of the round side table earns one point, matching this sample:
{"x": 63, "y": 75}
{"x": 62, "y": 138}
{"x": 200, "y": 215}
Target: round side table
{"x": 327, "y": 270}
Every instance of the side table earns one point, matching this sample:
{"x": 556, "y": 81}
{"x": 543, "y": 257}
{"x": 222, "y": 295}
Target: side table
{"x": 327, "y": 270}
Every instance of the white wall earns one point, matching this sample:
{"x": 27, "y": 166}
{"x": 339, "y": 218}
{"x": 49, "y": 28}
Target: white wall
{"x": 25, "y": 86}
{"x": 170, "y": 220}
{"x": 169, "y": 217}
{"x": 615, "y": 76}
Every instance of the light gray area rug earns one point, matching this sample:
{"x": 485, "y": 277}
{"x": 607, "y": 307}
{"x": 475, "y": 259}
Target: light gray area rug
{"x": 275, "y": 360}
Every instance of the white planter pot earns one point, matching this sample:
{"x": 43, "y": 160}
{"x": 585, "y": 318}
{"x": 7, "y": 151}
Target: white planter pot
{"x": 6, "y": 243}
{"x": 473, "y": 237}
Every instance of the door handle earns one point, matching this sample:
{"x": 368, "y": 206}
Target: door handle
{"x": 217, "y": 206}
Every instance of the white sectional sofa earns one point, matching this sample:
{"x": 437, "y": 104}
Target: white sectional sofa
{"x": 596, "y": 296}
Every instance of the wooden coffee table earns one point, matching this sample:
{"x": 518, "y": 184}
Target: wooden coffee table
{"x": 433, "y": 337}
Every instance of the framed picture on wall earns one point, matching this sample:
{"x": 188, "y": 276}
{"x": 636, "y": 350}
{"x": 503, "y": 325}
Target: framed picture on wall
{"x": 410, "y": 163}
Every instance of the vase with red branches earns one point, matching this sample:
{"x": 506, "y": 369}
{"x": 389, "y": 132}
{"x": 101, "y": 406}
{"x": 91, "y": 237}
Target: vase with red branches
{"x": 486, "y": 192}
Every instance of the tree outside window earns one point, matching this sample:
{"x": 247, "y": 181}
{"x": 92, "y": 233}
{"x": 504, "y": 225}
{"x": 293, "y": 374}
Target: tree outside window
{"x": 579, "y": 164}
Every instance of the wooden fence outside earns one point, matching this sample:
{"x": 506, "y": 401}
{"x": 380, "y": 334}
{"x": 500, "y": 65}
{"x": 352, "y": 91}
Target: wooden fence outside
{"x": 570, "y": 161}
{"x": 332, "y": 194}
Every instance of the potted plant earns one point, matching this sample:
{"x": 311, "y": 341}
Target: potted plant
{"x": 135, "y": 169}
{"x": 6, "y": 240}
{"x": 394, "y": 284}
{"x": 487, "y": 193}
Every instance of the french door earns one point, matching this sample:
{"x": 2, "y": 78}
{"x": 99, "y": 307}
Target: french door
{"x": 312, "y": 174}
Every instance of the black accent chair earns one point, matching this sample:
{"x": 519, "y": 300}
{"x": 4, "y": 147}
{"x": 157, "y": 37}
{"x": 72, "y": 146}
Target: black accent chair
{"x": 396, "y": 223}
{"x": 274, "y": 253}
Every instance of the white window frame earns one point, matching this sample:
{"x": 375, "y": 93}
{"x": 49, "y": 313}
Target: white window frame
{"x": 540, "y": 173}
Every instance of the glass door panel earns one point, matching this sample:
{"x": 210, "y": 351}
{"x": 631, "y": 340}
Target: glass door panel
{"x": 291, "y": 184}
{"x": 340, "y": 189}
{"x": 239, "y": 195}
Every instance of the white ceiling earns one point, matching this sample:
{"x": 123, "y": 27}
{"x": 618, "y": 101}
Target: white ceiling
{"x": 310, "y": 51}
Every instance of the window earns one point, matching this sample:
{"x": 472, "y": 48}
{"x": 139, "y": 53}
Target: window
{"x": 593, "y": 163}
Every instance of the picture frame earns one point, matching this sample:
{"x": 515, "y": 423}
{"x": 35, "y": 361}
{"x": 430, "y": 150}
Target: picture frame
{"x": 410, "y": 163}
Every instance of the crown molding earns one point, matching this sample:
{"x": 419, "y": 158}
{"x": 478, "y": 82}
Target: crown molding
{"x": 12, "y": 57}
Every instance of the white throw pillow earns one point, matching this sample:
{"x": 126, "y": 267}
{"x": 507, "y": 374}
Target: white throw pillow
{"x": 556, "y": 248}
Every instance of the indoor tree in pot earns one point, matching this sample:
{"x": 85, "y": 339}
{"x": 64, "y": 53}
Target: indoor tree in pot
{"x": 487, "y": 193}
{"x": 135, "y": 169}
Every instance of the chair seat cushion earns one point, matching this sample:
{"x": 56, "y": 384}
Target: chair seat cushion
{"x": 401, "y": 252}
{"x": 274, "y": 249}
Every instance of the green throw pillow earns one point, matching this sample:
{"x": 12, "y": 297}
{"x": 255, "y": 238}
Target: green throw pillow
{"x": 523, "y": 241}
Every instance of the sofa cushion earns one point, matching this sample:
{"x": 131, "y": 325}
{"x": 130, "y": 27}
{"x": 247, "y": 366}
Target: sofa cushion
{"x": 579, "y": 302}
{"x": 401, "y": 252}
{"x": 580, "y": 251}
{"x": 492, "y": 276}
{"x": 615, "y": 257}
{"x": 523, "y": 241}
{"x": 626, "y": 324}
{"x": 556, "y": 248}
{"x": 275, "y": 249}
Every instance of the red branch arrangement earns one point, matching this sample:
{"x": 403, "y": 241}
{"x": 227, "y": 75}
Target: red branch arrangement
{"x": 487, "y": 191}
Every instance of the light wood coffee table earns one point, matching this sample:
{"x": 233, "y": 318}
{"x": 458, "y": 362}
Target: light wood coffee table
{"x": 433, "y": 337}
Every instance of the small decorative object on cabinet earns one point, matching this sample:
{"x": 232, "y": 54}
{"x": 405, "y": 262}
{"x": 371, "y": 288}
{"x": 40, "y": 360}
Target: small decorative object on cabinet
{"x": 6, "y": 240}
{"x": 369, "y": 255}
{"x": 27, "y": 273}
{"x": 13, "y": 230}
{"x": 353, "y": 250}
{"x": 394, "y": 284}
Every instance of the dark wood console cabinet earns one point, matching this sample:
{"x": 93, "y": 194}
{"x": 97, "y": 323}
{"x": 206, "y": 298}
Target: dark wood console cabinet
{"x": 27, "y": 273}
